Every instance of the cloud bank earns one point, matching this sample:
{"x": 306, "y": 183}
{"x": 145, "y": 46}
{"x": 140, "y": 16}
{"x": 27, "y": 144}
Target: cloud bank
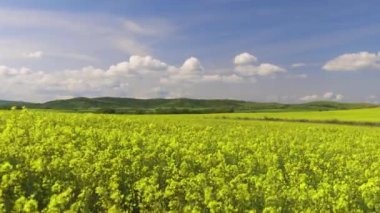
{"x": 247, "y": 65}
{"x": 329, "y": 96}
{"x": 126, "y": 77}
{"x": 354, "y": 62}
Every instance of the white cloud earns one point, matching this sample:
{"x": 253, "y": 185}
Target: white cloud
{"x": 328, "y": 95}
{"x": 64, "y": 97}
{"x": 210, "y": 78}
{"x": 339, "y": 97}
{"x": 269, "y": 69}
{"x": 298, "y": 65}
{"x": 141, "y": 65}
{"x": 223, "y": 78}
{"x": 331, "y": 96}
{"x": 146, "y": 63}
{"x": 85, "y": 81}
{"x": 310, "y": 98}
{"x": 232, "y": 78}
{"x": 246, "y": 66}
{"x": 88, "y": 35}
{"x": 261, "y": 70}
{"x": 145, "y": 72}
{"x": 191, "y": 65}
{"x": 244, "y": 59}
{"x": 354, "y": 62}
{"x": 11, "y": 72}
{"x": 36, "y": 55}
{"x": 190, "y": 71}
{"x": 137, "y": 76}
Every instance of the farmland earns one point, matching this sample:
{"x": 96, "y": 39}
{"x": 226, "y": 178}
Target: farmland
{"x": 52, "y": 162}
{"x": 369, "y": 116}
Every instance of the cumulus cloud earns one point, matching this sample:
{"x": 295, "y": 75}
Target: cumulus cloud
{"x": 245, "y": 59}
{"x": 246, "y": 65}
{"x": 328, "y": 95}
{"x": 331, "y": 96}
{"x": 116, "y": 80}
{"x": 192, "y": 71}
{"x": 310, "y": 98}
{"x": 191, "y": 65}
{"x": 222, "y": 78}
{"x": 261, "y": 70}
{"x": 85, "y": 81}
{"x": 36, "y": 55}
{"x": 10, "y": 72}
{"x": 146, "y": 63}
{"x": 138, "y": 65}
{"x": 354, "y": 62}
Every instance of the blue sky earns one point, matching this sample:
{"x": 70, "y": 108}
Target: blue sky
{"x": 283, "y": 51}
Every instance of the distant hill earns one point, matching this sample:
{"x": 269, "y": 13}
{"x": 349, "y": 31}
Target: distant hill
{"x": 330, "y": 105}
{"x": 6, "y": 104}
{"x": 80, "y": 103}
{"x": 180, "y": 105}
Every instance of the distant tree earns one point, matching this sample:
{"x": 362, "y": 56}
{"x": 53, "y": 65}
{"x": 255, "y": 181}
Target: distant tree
{"x": 140, "y": 111}
{"x": 107, "y": 111}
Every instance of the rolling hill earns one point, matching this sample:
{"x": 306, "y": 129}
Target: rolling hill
{"x": 7, "y": 104}
{"x": 180, "y": 105}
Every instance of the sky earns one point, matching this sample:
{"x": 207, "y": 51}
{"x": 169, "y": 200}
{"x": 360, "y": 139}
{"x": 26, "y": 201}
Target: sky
{"x": 288, "y": 51}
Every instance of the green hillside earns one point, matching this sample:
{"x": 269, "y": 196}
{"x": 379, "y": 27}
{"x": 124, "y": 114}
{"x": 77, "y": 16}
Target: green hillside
{"x": 7, "y": 104}
{"x": 180, "y": 105}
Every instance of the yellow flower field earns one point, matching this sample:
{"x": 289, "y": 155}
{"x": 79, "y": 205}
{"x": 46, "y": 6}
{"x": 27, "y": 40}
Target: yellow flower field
{"x": 56, "y": 162}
